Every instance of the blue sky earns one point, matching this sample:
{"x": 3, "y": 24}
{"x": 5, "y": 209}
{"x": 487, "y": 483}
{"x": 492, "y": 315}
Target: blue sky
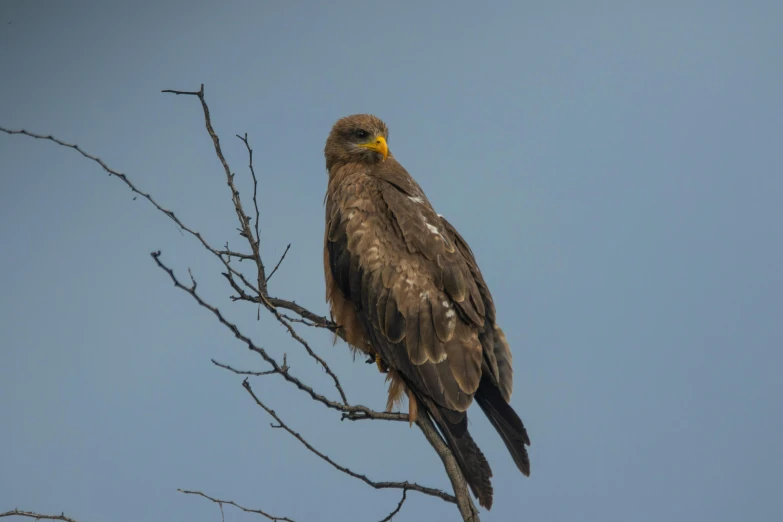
{"x": 615, "y": 168}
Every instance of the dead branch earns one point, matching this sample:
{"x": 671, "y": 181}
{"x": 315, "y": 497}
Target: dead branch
{"x": 278, "y": 263}
{"x": 377, "y": 485}
{"x": 349, "y": 412}
{"x": 36, "y": 516}
{"x": 255, "y": 191}
{"x": 398, "y": 508}
{"x": 220, "y": 503}
{"x": 238, "y": 255}
{"x": 273, "y": 518}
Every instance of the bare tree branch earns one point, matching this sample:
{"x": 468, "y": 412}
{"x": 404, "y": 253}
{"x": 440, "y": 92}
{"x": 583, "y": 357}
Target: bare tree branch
{"x": 238, "y": 255}
{"x": 36, "y": 516}
{"x": 349, "y": 412}
{"x": 310, "y": 351}
{"x": 301, "y": 321}
{"x": 220, "y": 503}
{"x": 398, "y": 508}
{"x": 255, "y": 191}
{"x": 377, "y": 485}
{"x": 278, "y": 263}
{"x": 284, "y": 367}
{"x": 304, "y": 313}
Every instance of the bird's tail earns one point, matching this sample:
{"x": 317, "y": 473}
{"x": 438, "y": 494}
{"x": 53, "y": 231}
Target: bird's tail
{"x": 474, "y": 466}
{"x": 506, "y": 422}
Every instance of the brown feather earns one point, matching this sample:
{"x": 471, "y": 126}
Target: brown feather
{"x": 437, "y": 351}
{"x": 456, "y": 399}
{"x": 464, "y": 354}
{"x": 394, "y": 321}
{"x": 444, "y": 318}
{"x": 355, "y": 280}
{"x": 365, "y": 289}
{"x": 389, "y": 275}
{"x": 505, "y": 368}
{"x": 469, "y": 313}
{"x": 413, "y": 407}
{"x": 380, "y": 318}
{"x": 415, "y": 348}
{"x": 372, "y": 290}
{"x": 396, "y": 389}
{"x": 477, "y": 302}
{"x": 427, "y": 338}
{"x": 487, "y": 338}
{"x": 344, "y": 312}
{"x": 336, "y": 228}
{"x": 454, "y": 282}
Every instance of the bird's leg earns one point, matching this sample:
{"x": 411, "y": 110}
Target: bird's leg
{"x": 381, "y": 365}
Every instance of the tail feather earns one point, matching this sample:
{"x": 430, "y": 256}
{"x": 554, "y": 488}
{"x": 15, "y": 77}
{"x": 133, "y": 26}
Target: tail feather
{"x": 475, "y": 468}
{"x": 506, "y": 422}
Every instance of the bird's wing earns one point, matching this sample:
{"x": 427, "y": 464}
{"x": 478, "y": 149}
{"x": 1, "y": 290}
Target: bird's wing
{"x": 496, "y": 349}
{"x": 413, "y": 282}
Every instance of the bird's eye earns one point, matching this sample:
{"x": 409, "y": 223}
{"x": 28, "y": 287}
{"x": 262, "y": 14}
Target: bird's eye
{"x": 361, "y": 134}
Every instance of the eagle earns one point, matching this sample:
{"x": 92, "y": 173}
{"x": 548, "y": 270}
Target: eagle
{"x": 405, "y": 289}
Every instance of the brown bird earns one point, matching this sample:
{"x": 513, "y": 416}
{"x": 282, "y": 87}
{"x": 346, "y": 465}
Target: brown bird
{"x": 406, "y": 290}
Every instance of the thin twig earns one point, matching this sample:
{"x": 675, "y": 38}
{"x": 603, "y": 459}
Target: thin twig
{"x": 291, "y": 331}
{"x": 397, "y": 509}
{"x": 255, "y": 189}
{"x": 301, "y": 321}
{"x": 36, "y": 516}
{"x": 238, "y": 255}
{"x": 220, "y": 503}
{"x": 243, "y": 372}
{"x": 377, "y": 485}
{"x": 301, "y": 311}
{"x": 306, "y": 345}
{"x": 349, "y": 412}
{"x": 278, "y": 263}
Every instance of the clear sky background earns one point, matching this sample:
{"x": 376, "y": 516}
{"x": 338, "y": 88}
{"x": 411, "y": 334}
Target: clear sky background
{"x": 615, "y": 168}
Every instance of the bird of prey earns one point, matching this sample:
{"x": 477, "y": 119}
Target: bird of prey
{"x": 405, "y": 288}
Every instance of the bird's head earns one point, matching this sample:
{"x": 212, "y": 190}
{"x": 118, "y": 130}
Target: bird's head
{"x": 360, "y": 138}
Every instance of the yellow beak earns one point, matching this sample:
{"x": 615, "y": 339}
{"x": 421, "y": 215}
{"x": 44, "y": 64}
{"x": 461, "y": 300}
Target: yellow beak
{"x": 378, "y": 145}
